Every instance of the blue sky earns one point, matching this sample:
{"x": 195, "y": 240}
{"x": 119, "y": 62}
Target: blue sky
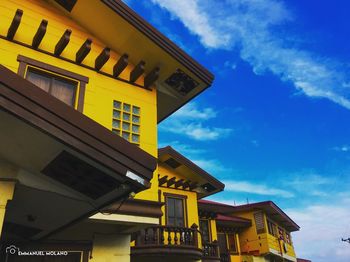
{"x": 275, "y": 124}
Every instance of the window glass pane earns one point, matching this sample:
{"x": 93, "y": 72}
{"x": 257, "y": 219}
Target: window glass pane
{"x": 171, "y": 221}
{"x": 116, "y": 124}
{"x": 116, "y": 132}
{"x": 39, "y": 80}
{"x": 136, "y": 110}
{"x": 126, "y": 116}
{"x": 204, "y": 228}
{"x": 126, "y": 126}
{"x": 116, "y": 114}
{"x": 64, "y": 91}
{"x": 136, "y": 119}
{"x": 126, "y": 107}
{"x": 179, "y": 208}
{"x": 135, "y": 138}
{"x": 175, "y": 211}
{"x": 117, "y": 104}
{"x": 136, "y": 129}
{"x": 126, "y": 135}
{"x": 170, "y": 207}
{"x": 232, "y": 242}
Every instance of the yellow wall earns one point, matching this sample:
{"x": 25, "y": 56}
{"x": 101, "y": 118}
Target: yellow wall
{"x": 251, "y": 241}
{"x": 6, "y": 193}
{"x": 111, "y": 248}
{"x": 101, "y": 90}
{"x": 191, "y": 201}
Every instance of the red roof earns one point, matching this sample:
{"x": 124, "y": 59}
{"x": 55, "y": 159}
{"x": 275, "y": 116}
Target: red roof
{"x": 203, "y": 201}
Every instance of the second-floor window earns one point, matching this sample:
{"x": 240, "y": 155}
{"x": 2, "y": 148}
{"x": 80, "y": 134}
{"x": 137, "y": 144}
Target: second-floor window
{"x": 67, "y": 86}
{"x": 232, "y": 243}
{"x": 204, "y": 228}
{"x": 271, "y": 228}
{"x": 59, "y": 87}
{"x": 126, "y": 121}
{"x": 175, "y": 211}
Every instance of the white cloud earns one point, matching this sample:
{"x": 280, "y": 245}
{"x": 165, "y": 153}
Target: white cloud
{"x": 191, "y": 111}
{"x": 256, "y": 188}
{"x": 249, "y": 25}
{"x": 191, "y": 121}
{"x": 343, "y": 148}
{"x": 322, "y": 227}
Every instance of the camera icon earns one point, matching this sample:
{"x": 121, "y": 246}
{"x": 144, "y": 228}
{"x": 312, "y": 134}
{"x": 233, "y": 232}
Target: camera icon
{"x": 12, "y": 250}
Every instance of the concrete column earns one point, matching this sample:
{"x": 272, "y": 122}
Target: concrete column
{"x": 7, "y": 188}
{"x": 111, "y": 248}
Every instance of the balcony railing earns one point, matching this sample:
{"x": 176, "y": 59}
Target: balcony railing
{"x": 168, "y": 236}
{"x": 211, "y": 251}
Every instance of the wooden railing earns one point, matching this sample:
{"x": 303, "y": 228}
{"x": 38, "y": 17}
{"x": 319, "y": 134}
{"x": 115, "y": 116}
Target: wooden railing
{"x": 168, "y": 235}
{"x": 225, "y": 257}
{"x": 211, "y": 250}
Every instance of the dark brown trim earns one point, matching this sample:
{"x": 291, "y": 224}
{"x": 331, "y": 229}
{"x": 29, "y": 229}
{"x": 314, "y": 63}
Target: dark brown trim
{"x": 3, "y": 179}
{"x": 174, "y": 195}
{"x": 83, "y": 51}
{"x": 158, "y": 38}
{"x": 76, "y": 63}
{"x": 185, "y": 161}
{"x": 271, "y": 209}
{"x": 62, "y": 43}
{"x": 121, "y": 64}
{"x": 136, "y": 207}
{"x": 28, "y": 102}
{"x": 102, "y": 58}
{"x": 14, "y": 24}
{"x": 40, "y": 33}
{"x": 160, "y": 201}
{"x": 25, "y": 61}
{"x": 137, "y": 71}
{"x": 67, "y": 4}
{"x": 52, "y": 68}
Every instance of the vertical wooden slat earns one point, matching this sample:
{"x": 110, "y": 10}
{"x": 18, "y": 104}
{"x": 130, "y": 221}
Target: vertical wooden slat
{"x": 63, "y": 42}
{"x": 102, "y": 58}
{"x": 40, "y": 33}
{"x": 83, "y": 51}
{"x": 120, "y": 65}
{"x": 137, "y": 71}
{"x": 151, "y": 77}
{"x": 14, "y": 24}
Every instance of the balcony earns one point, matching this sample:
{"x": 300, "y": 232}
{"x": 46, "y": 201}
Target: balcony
{"x": 211, "y": 252}
{"x": 172, "y": 242}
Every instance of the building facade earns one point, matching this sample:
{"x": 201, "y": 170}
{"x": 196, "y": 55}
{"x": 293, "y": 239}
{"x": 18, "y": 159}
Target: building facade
{"x": 83, "y": 86}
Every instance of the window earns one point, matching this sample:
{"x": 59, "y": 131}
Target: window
{"x": 288, "y": 239}
{"x": 126, "y": 121}
{"x": 271, "y": 228}
{"x": 259, "y": 222}
{"x": 280, "y": 233}
{"x": 204, "y": 228}
{"x": 66, "y": 86}
{"x": 232, "y": 243}
{"x": 59, "y": 87}
{"x": 222, "y": 241}
{"x": 175, "y": 211}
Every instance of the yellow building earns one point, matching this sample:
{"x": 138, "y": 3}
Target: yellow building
{"x": 253, "y": 232}
{"x": 178, "y": 235}
{"x": 83, "y": 85}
